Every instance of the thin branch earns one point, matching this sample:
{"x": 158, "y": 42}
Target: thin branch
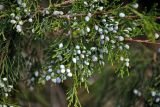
{"x": 98, "y": 13}
{"x": 80, "y": 14}
{"x": 64, "y": 3}
{"x": 136, "y": 17}
{"x": 142, "y": 41}
{"x": 158, "y": 18}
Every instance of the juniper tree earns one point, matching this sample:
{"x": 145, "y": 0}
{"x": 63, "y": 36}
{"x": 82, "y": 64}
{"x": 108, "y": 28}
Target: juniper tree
{"x": 54, "y": 41}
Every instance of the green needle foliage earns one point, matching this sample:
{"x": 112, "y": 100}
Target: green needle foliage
{"x": 43, "y": 41}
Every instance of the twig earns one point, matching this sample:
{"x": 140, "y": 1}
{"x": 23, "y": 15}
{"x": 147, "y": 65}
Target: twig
{"x": 64, "y": 3}
{"x": 98, "y": 13}
{"x": 141, "y": 41}
{"x": 136, "y": 17}
{"x": 158, "y": 18}
{"x": 79, "y": 15}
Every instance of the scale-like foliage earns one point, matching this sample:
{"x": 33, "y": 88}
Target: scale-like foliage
{"x": 57, "y": 40}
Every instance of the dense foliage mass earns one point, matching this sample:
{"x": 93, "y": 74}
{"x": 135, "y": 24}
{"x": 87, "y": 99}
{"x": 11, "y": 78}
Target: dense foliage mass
{"x": 43, "y": 41}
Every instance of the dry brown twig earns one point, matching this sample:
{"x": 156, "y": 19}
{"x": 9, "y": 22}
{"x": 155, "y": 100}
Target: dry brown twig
{"x": 141, "y": 41}
{"x": 64, "y": 3}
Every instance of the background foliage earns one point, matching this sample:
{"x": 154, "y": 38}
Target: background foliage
{"x": 94, "y": 53}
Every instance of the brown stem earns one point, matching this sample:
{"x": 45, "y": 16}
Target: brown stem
{"x": 98, "y": 13}
{"x": 141, "y": 41}
{"x": 80, "y": 14}
{"x": 64, "y": 3}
